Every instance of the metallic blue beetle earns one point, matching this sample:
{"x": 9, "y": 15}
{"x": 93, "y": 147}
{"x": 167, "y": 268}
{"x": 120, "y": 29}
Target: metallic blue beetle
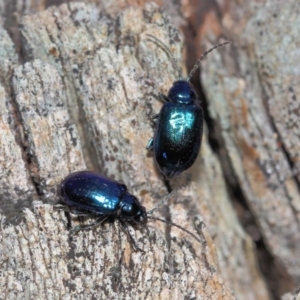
{"x": 179, "y": 127}
{"x": 86, "y": 193}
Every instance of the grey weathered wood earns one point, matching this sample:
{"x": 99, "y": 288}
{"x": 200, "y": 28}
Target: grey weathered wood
{"x": 103, "y": 72}
{"x": 253, "y": 101}
{"x": 41, "y": 262}
{"x": 17, "y": 189}
{"x": 52, "y": 140}
{"x": 109, "y": 94}
{"x": 291, "y": 296}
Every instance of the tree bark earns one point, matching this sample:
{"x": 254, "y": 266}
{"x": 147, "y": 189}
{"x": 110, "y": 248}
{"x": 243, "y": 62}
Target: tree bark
{"x": 255, "y": 110}
{"x": 88, "y": 87}
{"x": 77, "y": 92}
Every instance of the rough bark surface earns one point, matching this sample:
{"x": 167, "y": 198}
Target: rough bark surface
{"x": 291, "y": 296}
{"x": 254, "y": 106}
{"x": 99, "y": 72}
{"x": 82, "y": 97}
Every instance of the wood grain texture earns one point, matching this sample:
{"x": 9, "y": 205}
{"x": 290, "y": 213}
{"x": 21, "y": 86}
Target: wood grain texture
{"x": 42, "y": 262}
{"x": 84, "y": 98}
{"x": 252, "y": 100}
{"x": 16, "y": 186}
{"x": 291, "y": 296}
{"x": 80, "y": 95}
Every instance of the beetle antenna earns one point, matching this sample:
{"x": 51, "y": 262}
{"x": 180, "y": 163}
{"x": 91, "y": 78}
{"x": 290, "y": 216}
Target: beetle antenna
{"x": 161, "y": 203}
{"x": 165, "y": 48}
{"x": 178, "y": 226}
{"x": 203, "y": 56}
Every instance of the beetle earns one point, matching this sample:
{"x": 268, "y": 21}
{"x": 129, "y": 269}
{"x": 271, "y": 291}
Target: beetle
{"x": 86, "y": 193}
{"x": 179, "y": 124}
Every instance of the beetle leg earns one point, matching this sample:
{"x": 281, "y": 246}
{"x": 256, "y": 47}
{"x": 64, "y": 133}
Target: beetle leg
{"x": 61, "y": 207}
{"x": 70, "y": 210}
{"x": 163, "y": 98}
{"x": 88, "y": 226}
{"x": 150, "y": 145}
{"x": 126, "y": 230}
{"x": 154, "y": 117}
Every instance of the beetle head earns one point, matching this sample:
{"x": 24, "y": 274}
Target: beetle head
{"x": 132, "y": 210}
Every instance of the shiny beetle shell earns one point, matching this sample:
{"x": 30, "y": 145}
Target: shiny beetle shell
{"x": 179, "y": 128}
{"x": 87, "y": 192}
